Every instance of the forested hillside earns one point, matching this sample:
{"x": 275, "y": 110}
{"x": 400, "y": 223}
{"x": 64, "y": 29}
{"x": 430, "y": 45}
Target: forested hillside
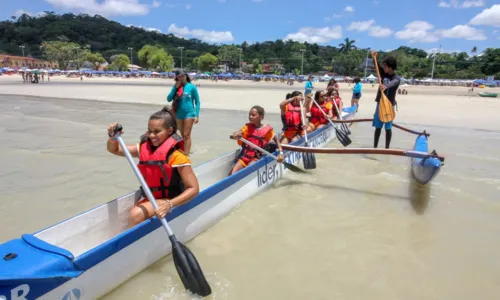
{"x": 56, "y": 37}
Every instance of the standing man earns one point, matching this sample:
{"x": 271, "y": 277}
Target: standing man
{"x": 389, "y": 86}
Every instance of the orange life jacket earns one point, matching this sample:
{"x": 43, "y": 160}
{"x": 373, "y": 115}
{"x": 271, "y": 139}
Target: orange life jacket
{"x": 317, "y": 115}
{"x": 292, "y": 118}
{"x": 163, "y": 180}
{"x": 256, "y": 136}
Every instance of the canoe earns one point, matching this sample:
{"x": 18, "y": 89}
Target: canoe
{"x": 424, "y": 169}
{"x": 90, "y": 254}
{"x": 490, "y": 95}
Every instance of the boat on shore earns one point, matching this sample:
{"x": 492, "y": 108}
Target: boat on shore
{"x": 90, "y": 254}
{"x": 489, "y": 95}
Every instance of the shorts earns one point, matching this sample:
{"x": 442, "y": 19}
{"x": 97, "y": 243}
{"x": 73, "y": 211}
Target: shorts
{"x": 316, "y": 124}
{"x": 356, "y": 96}
{"x": 244, "y": 164}
{"x": 377, "y": 123}
{"x": 290, "y": 134}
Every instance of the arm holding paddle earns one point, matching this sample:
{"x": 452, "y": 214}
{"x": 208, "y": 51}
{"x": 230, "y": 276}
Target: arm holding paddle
{"x": 113, "y": 146}
{"x": 238, "y": 135}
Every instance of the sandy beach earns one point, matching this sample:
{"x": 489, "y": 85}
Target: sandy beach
{"x": 357, "y": 229}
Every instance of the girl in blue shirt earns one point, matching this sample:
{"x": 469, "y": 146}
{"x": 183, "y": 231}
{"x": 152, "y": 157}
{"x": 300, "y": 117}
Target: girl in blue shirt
{"x": 186, "y": 104}
{"x": 356, "y": 92}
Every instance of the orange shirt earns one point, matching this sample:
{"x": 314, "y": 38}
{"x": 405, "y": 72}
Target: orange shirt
{"x": 269, "y": 136}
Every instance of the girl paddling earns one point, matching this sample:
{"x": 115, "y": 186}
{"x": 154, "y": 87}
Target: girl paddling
{"x": 256, "y": 133}
{"x": 317, "y": 119}
{"x": 162, "y": 163}
{"x": 292, "y": 118}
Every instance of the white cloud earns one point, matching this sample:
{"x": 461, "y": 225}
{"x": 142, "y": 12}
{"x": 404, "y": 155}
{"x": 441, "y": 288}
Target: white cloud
{"x": 349, "y": 9}
{"x": 461, "y": 4}
{"x": 418, "y": 31}
{"x": 104, "y": 8}
{"x": 21, "y": 12}
{"x": 421, "y": 31}
{"x": 316, "y": 35}
{"x": 145, "y": 28}
{"x": 463, "y": 32}
{"x": 204, "y": 35}
{"x": 489, "y": 16}
{"x": 373, "y": 30}
{"x": 188, "y": 6}
{"x": 156, "y": 4}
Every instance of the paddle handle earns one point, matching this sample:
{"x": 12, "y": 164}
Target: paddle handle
{"x": 255, "y": 146}
{"x": 326, "y": 116}
{"x": 138, "y": 174}
{"x": 337, "y": 109}
{"x": 304, "y": 119}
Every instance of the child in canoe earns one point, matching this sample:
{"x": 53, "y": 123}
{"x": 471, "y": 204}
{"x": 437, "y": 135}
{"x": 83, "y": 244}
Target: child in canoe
{"x": 258, "y": 134}
{"x": 336, "y": 104}
{"x": 291, "y": 117}
{"x": 317, "y": 119}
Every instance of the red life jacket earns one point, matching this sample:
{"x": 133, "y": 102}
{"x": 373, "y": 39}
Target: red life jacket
{"x": 317, "y": 115}
{"x": 292, "y": 118}
{"x": 163, "y": 180}
{"x": 255, "y": 136}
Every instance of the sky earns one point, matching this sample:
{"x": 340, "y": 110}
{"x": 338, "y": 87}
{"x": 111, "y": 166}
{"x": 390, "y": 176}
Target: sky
{"x": 453, "y": 25}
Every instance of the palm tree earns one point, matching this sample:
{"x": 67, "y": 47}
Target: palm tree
{"x": 347, "y": 45}
{"x": 474, "y": 50}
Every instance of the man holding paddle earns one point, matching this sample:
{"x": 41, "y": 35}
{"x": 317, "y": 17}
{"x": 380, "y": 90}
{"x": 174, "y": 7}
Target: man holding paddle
{"x": 389, "y": 83}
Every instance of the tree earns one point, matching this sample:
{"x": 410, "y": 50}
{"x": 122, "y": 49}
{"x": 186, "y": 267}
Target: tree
{"x": 206, "y": 62}
{"x": 60, "y": 52}
{"x": 229, "y": 55}
{"x": 156, "y": 58}
{"x": 120, "y": 63}
{"x": 95, "y": 58}
{"x": 347, "y": 45}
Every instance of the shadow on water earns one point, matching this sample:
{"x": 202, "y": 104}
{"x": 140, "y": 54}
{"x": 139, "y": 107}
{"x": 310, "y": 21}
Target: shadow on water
{"x": 289, "y": 182}
{"x": 419, "y": 195}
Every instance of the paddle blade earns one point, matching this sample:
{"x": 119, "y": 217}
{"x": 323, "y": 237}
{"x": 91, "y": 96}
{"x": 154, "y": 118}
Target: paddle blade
{"x": 385, "y": 110}
{"x": 343, "y": 138}
{"x": 309, "y": 160}
{"x": 189, "y": 270}
{"x": 293, "y": 168}
{"x": 345, "y": 128}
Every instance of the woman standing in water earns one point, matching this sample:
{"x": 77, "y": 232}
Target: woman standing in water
{"x": 186, "y": 106}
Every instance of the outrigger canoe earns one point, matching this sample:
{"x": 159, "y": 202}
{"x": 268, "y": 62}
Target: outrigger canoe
{"x": 90, "y": 254}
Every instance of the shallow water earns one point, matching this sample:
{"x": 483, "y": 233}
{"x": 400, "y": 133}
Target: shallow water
{"x": 359, "y": 228}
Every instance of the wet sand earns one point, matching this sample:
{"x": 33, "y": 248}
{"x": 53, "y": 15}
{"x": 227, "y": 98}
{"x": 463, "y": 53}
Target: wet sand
{"x": 358, "y": 229}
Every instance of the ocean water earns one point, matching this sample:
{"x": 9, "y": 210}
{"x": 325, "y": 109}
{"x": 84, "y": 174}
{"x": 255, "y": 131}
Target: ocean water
{"x": 358, "y": 228}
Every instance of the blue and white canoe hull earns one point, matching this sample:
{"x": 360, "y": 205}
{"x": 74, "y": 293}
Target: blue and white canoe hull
{"x": 424, "y": 169}
{"x": 87, "y": 256}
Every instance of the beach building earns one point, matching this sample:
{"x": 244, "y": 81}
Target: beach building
{"x": 18, "y": 62}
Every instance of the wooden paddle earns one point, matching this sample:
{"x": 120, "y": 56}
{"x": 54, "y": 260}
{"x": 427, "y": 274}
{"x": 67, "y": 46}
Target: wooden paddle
{"x": 393, "y": 124}
{"x": 341, "y": 135}
{"x": 397, "y": 152}
{"x": 185, "y": 262}
{"x": 386, "y": 111}
{"x": 287, "y": 165}
{"x": 308, "y": 159}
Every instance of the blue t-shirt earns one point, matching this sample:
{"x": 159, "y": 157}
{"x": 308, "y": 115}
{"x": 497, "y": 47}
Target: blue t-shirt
{"x": 308, "y": 87}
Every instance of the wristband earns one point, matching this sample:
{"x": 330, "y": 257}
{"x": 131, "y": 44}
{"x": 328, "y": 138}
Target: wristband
{"x": 112, "y": 140}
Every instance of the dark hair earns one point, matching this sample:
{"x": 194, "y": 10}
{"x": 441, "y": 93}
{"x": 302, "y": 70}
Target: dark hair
{"x": 288, "y": 96}
{"x": 167, "y": 116}
{"x": 295, "y": 93}
{"x": 391, "y": 62}
{"x": 259, "y": 109}
{"x": 317, "y": 95}
{"x": 188, "y": 79}
{"x": 356, "y": 79}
